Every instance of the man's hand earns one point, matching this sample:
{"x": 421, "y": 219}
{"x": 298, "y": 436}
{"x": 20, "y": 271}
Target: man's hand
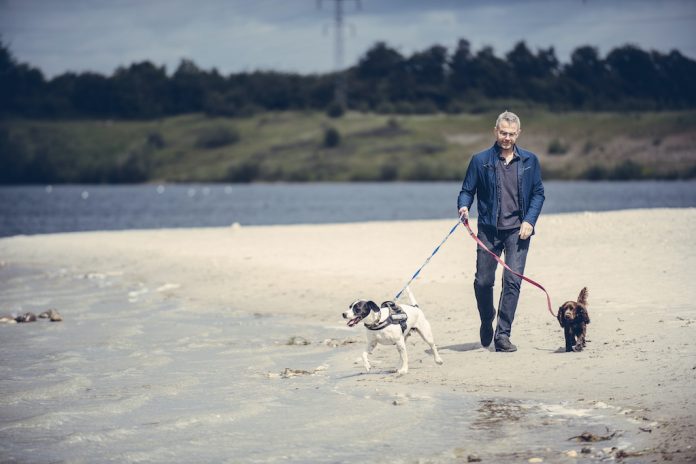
{"x": 526, "y": 230}
{"x": 463, "y": 213}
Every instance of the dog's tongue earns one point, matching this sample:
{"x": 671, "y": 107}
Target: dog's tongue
{"x": 352, "y": 322}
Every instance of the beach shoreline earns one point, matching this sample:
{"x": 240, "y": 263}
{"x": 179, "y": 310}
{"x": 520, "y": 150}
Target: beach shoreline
{"x": 637, "y": 264}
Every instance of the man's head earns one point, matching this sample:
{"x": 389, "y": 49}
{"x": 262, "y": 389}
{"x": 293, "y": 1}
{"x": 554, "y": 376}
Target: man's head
{"x": 507, "y": 129}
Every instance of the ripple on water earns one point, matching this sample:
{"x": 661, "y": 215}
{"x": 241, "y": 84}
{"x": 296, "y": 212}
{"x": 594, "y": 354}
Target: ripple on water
{"x": 151, "y": 381}
{"x": 57, "y": 390}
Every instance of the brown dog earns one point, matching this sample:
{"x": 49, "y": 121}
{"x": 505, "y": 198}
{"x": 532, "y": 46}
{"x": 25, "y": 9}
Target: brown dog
{"x": 573, "y": 317}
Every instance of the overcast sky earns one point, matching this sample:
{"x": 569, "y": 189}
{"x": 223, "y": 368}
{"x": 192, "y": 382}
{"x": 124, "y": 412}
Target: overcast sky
{"x": 295, "y": 35}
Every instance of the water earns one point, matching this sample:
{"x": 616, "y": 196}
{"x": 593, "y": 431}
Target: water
{"x": 132, "y": 376}
{"x": 36, "y": 210}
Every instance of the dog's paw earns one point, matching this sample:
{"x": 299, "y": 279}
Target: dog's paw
{"x": 577, "y": 348}
{"x": 439, "y": 361}
{"x": 402, "y": 371}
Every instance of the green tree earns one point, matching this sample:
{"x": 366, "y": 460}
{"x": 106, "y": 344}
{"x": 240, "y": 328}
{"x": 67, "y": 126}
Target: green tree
{"x": 21, "y": 86}
{"x": 140, "y": 91}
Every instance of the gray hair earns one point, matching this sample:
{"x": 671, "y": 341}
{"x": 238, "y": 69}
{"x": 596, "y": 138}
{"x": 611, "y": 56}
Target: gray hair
{"x": 510, "y": 117}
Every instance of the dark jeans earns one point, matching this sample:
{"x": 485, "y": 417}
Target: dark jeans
{"x": 515, "y": 257}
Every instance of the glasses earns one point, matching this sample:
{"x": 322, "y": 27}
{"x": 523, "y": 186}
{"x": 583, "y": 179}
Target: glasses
{"x": 512, "y": 135}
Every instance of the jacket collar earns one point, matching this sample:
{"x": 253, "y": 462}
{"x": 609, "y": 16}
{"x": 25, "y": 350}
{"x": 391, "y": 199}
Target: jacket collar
{"x": 495, "y": 152}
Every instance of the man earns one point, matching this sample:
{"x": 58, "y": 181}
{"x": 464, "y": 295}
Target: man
{"x": 507, "y": 183}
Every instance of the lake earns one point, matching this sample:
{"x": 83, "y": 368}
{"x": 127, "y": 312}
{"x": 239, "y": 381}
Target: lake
{"x": 69, "y": 208}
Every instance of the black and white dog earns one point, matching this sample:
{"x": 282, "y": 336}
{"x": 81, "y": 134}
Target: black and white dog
{"x": 391, "y": 324}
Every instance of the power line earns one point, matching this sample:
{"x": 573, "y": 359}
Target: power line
{"x": 339, "y": 26}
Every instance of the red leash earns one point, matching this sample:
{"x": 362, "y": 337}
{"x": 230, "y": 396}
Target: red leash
{"x": 497, "y": 258}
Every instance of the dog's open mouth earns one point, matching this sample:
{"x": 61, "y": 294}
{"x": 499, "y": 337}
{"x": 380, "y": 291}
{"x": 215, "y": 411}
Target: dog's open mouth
{"x": 354, "y": 321}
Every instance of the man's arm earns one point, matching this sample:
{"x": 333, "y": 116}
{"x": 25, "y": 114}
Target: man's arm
{"x": 536, "y": 201}
{"x": 469, "y": 186}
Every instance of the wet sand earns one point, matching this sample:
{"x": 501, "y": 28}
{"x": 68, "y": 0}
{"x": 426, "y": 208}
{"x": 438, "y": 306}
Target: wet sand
{"x": 637, "y": 376}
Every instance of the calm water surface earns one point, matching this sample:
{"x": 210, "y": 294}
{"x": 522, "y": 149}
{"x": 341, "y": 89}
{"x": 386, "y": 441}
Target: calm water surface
{"x": 49, "y": 209}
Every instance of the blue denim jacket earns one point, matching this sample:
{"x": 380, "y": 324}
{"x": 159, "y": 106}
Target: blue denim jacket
{"x": 480, "y": 181}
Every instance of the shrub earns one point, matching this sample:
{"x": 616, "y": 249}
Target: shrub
{"x": 246, "y": 172}
{"x": 335, "y": 110}
{"x": 557, "y": 147}
{"x": 627, "y": 170}
{"x": 393, "y": 124}
{"x": 155, "y": 140}
{"x": 428, "y": 148}
{"x": 332, "y": 138}
{"x": 134, "y": 167}
{"x": 13, "y": 159}
{"x": 691, "y": 172}
{"x": 216, "y": 137}
{"x": 389, "y": 171}
{"x": 595, "y": 172}
{"x": 420, "y": 171}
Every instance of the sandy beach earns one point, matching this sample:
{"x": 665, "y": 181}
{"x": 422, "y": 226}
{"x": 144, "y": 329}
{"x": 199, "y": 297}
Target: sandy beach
{"x": 638, "y": 265}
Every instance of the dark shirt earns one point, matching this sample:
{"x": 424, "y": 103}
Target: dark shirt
{"x": 509, "y": 214}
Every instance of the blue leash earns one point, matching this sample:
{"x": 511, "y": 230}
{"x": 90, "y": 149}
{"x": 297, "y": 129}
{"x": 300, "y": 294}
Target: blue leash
{"x": 427, "y": 260}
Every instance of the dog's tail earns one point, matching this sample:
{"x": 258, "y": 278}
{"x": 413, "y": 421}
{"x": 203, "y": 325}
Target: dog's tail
{"x": 582, "y": 297}
{"x": 411, "y": 297}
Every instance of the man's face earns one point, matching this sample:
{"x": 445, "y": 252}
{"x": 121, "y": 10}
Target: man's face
{"x": 506, "y": 134}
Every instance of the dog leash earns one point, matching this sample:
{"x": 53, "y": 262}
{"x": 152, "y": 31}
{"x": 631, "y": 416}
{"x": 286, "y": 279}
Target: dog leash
{"x": 482, "y": 245}
{"x": 426, "y": 261}
{"x": 497, "y": 258}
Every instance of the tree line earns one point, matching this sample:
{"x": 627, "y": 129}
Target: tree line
{"x": 383, "y": 80}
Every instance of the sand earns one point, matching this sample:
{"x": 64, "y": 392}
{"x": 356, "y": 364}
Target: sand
{"x": 638, "y": 265}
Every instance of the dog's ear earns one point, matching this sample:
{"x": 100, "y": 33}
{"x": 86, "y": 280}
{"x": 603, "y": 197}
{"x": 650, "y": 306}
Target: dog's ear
{"x": 360, "y": 307}
{"x": 559, "y": 316}
{"x": 372, "y": 306}
{"x": 583, "y": 315}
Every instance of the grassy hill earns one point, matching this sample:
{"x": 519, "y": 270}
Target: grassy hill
{"x": 309, "y": 146}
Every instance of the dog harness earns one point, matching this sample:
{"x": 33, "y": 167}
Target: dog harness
{"x": 396, "y": 316}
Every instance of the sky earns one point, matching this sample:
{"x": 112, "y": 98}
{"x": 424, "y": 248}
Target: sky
{"x": 235, "y": 36}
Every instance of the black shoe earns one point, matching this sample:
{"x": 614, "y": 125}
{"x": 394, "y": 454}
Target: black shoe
{"x": 504, "y": 345}
{"x": 486, "y": 333}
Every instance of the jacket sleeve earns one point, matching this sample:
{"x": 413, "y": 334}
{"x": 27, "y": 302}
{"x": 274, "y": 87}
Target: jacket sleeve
{"x": 469, "y": 186}
{"x": 536, "y": 201}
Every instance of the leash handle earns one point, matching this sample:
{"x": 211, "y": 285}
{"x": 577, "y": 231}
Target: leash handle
{"x": 497, "y": 258}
